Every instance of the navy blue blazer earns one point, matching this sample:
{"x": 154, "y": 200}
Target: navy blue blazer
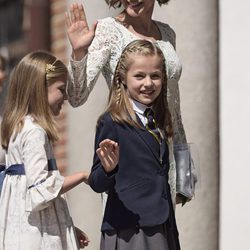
{"x": 138, "y": 190}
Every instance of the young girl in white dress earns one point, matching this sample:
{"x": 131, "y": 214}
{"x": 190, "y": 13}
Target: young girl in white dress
{"x": 33, "y": 211}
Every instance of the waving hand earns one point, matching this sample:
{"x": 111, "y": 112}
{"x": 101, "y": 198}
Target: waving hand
{"x": 78, "y": 31}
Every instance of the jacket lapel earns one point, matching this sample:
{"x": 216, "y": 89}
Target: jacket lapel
{"x": 148, "y": 139}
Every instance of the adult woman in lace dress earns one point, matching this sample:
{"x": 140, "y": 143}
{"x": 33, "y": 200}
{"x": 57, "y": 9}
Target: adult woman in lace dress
{"x": 97, "y": 49}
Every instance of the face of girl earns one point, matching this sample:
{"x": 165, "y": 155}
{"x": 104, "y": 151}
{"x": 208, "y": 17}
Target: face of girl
{"x": 136, "y": 8}
{"x": 57, "y": 95}
{"x": 144, "y": 78}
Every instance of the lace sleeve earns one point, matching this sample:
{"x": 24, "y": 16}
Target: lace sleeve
{"x": 43, "y": 185}
{"x": 83, "y": 74}
{"x": 168, "y": 34}
{"x": 171, "y": 35}
{"x": 174, "y": 93}
{"x": 179, "y": 132}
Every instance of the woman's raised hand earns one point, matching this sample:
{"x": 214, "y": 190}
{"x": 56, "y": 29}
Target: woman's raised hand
{"x": 78, "y": 31}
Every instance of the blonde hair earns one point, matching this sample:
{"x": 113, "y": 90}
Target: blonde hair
{"x": 119, "y": 105}
{"x": 117, "y": 3}
{"x": 27, "y": 94}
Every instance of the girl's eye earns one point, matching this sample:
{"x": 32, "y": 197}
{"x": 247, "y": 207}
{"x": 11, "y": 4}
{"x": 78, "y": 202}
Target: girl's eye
{"x": 155, "y": 76}
{"x": 139, "y": 77}
{"x": 62, "y": 90}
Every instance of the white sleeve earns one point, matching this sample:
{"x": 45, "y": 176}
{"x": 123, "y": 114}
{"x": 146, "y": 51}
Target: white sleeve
{"x": 179, "y": 132}
{"x": 83, "y": 74}
{"x": 43, "y": 185}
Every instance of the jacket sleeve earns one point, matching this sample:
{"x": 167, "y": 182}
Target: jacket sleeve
{"x": 99, "y": 180}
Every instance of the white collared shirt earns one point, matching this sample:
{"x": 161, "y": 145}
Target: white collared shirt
{"x": 139, "y": 109}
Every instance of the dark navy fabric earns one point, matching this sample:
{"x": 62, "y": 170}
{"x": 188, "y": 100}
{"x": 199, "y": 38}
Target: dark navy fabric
{"x": 138, "y": 190}
{"x": 52, "y": 164}
{"x": 151, "y": 125}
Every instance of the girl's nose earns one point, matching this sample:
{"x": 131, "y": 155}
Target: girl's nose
{"x": 148, "y": 81}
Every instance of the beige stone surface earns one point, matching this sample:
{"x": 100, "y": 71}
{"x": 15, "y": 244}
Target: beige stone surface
{"x": 195, "y": 23}
{"x": 85, "y": 204}
{"x": 234, "y": 125}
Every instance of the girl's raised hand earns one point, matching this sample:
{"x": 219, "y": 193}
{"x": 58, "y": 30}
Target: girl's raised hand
{"x": 78, "y": 31}
{"x": 108, "y": 153}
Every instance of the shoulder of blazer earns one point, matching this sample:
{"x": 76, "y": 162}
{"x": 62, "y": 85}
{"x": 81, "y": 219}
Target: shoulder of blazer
{"x": 106, "y": 128}
{"x": 105, "y": 118}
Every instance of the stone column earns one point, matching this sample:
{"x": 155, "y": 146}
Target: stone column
{"x": 234, "y": 124}
{"x": 196, "y": 27}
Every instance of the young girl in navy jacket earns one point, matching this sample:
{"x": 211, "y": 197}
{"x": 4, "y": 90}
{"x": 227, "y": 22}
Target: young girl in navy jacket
{"x": 132, "y": 141}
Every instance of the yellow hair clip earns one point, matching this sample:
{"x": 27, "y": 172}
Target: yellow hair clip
{"x": 50, "y": 67}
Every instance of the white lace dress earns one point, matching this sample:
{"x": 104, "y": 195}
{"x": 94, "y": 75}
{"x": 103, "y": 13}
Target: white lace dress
{"x": 32, "y": 214}
{"x": 111, "y": 37}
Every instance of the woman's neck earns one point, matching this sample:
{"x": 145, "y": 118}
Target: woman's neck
{"x": 142, "y": 26}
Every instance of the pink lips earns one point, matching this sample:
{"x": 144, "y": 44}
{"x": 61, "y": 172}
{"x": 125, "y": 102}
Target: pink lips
{"x": 147, "y": 92}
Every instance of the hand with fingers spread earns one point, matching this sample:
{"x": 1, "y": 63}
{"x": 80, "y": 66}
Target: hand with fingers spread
{"x": 78, "y": 31}
{"x": 108, "y": 153}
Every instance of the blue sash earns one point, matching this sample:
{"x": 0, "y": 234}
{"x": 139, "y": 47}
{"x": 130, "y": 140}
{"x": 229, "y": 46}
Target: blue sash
{"x": 18, "y": 169}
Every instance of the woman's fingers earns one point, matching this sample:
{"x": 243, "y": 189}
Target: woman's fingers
{"x": 68, "y": 19}
{"x": 77, "y": 14}
{"x": 72, "y": 14}
{"x": 82, "y": 15}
